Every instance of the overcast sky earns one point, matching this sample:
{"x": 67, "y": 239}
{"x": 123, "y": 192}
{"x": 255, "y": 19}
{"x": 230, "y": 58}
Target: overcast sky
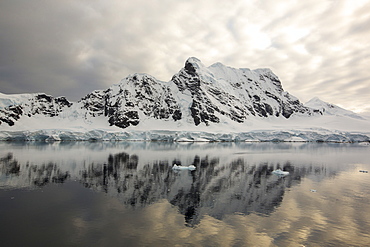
{"x": 72, "y": 47}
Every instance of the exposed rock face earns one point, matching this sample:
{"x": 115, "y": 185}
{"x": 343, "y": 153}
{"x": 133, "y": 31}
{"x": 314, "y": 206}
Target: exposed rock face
{"x": 136, "y": 95}
{"x": 35, "y": 104}
{"x": 197, "y": 94}
{"x": 234, "y": 93}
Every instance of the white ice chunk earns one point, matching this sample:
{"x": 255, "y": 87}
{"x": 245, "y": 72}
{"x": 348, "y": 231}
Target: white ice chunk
{"x": 280, "y": 172}
{"x": 176, "y": 167}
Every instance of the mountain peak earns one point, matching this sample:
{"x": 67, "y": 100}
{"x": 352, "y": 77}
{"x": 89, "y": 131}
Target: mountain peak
{"x": 319, "y": 104}
{"x": 193, "y": 60}
{"x": 329, "y": 109}
{"x": 314, "y": 99}
{"x": 139, "y": 77}
{"x": 193, "y": 65}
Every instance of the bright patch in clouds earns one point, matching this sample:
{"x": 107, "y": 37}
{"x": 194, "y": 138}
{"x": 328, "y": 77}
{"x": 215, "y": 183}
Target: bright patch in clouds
{"x": 317, "y": 48}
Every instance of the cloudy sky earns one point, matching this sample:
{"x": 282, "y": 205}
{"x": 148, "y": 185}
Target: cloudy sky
{"x": 72, "y": 47}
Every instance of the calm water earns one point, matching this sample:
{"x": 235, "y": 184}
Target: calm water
{"x": 126, "y": 194}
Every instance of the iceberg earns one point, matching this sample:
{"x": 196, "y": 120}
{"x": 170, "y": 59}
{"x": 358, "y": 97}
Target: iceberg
{"x": 279, "y": 172}
{"x": 179, "y": 167}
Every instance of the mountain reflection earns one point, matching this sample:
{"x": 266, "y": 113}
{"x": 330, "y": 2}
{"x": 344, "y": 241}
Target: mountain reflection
{"x": 214, "y": 188}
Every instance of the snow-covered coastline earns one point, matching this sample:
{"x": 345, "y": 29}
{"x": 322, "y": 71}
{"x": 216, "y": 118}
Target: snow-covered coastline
{"x": 291, "y": 131}
{"x": 296, "y": 129}
{"x": 173, "y": 136}
{"x": 199, "y": 104}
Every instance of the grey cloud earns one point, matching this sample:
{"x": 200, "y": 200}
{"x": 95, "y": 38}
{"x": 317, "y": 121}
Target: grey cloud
{"x": 340, "y": 62}
{"x": 73, "y": 47}
{"x": 361, "y": 27}
{"x": 39, "y": 43}
{"x": 354, "y": 84}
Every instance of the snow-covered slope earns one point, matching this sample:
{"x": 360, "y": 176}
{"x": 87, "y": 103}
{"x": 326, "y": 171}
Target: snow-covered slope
{"x": 199, "y": 103}
{"x": 137, "y": 97}
{"x": 13, "y": 99}
{"x": 237, "y": 94}
{"x": 330, "y": 109}
{"x": 22, "y": 105}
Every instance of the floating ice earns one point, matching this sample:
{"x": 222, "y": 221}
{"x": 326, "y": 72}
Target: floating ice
{"x": 176, "y": 167}
{"x": 280, "y": 172}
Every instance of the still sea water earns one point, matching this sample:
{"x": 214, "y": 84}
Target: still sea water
{"x": 126, "y": 194}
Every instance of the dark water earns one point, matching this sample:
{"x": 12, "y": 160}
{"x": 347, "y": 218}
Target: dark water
{"x": 126, "y": 194}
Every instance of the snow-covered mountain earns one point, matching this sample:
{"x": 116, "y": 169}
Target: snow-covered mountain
{"x": 13, "y": 107}
{"x": 330, "y": 109}
{"x": 197, "y": 98}
{"x": 197, "y": 95}
{"x": 237, "y": 94}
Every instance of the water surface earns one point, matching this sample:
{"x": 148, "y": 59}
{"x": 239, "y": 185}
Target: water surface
{"x": 126, "y": 194}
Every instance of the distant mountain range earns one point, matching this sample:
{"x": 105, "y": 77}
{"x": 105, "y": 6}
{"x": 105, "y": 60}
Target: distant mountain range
{"x": 197, "y": 97}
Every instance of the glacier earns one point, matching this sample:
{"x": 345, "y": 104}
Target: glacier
{"x": 265, "y": 135}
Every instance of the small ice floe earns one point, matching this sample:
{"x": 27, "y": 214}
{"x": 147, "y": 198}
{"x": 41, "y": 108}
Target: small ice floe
{"x": 363, "y": 171}
{"x": 364, "y": 143}
{"x": 279, "y": 172}
{"x": 176, "y": 167}
{"x": 312, "y": 190}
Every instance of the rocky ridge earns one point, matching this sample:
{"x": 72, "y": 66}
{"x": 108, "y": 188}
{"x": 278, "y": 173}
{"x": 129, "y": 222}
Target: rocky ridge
{"x": 196, "y": 94}
{"x": 31, "y": 105}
